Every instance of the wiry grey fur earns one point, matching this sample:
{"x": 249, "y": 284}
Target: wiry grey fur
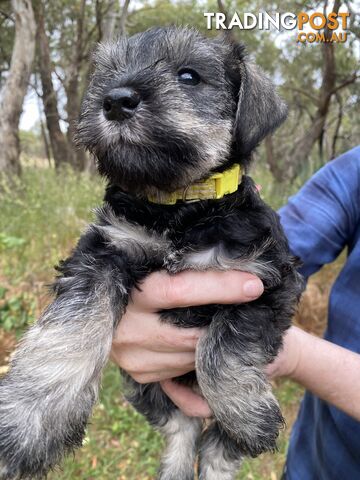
{"x": 168, "y": 134}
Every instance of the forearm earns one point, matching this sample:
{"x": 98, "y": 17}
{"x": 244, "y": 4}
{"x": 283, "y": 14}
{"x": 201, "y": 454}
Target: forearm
{"x": 330, "y": 372}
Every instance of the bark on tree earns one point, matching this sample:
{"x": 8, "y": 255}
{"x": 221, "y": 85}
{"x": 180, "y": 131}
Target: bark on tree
{"x": 44, "y": 133}
{"x": 108, "y": 22}
{"x": 14, "y": 90}
{"x": 59, "y": 145}
{"x": 271, "y": 159}
{"x": 72, "y": 89}
{"x": 338, "y": 124}
{"x": 123, "y": 17}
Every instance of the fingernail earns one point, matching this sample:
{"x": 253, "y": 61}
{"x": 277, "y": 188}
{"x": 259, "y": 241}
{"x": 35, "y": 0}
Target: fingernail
{"x": 253, "y": 288}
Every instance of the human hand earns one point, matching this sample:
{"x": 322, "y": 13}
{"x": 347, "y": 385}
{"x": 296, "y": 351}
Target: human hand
{"x": 151, "y": 351}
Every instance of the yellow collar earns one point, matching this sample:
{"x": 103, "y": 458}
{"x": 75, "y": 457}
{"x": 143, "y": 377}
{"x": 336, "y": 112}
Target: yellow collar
{"x": 216, "y": 186}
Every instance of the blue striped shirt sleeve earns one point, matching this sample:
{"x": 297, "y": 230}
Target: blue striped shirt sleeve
{"x": 321, "y": 219}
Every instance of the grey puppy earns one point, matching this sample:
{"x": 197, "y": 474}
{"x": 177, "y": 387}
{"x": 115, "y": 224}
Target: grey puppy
{"x": 165, "y": 109}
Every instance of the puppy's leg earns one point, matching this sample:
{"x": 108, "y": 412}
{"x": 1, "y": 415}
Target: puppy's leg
{"x": 230, "y": 372}
{"x": 219, "y": 456}
{"x": 181, "y": 435}
{"x": 181, "y": 432}
{"x": 53, "y": 381}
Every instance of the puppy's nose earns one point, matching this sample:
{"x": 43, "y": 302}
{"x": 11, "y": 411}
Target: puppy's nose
{"x": 121, "y": 103}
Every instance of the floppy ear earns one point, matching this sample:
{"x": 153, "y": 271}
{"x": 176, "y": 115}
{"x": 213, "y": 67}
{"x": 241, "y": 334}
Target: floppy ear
{"x": 259, "y": 111}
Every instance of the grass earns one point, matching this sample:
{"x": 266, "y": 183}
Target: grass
{"x": 41, "y": 217}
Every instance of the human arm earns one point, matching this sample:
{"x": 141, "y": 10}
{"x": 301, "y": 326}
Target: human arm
{"x": 327, "y": 370}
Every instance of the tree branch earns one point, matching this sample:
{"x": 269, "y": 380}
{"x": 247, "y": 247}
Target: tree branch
{"x": 7, "y": 16}
{"x": 338, "y": 125}
{"x": 303, "y": 92}
{"x": 345, "y": 83}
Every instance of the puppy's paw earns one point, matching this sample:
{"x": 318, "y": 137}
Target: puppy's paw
{"x": 265, "y": 421}
{"x": 242, "y": 401}
{"x": 175, "y": 261}
{"x": 219, "y": 455}
{"x": 253, "y": 421}
{"x": 4, "y": 472}
{"x": 20, "y": 443}
{"x": 37, "y": 428}
{"x": 175, "y": 476}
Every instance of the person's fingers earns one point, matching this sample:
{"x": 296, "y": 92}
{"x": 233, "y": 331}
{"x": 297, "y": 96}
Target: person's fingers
{"x": 141, "y": 362}
{"x": 158, "y": 376}
{"x": 148, "y": 332}
{"x": 161, "y": 290}
{"x": 192, "y": 404}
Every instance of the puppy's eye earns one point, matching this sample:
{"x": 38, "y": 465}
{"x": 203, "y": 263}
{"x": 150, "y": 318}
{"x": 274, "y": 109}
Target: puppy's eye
{"x": 189, "y": 76}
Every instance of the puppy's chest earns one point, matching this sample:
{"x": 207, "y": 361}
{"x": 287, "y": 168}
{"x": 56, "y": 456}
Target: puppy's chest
{"x": 173, "y": 250}
{"x": 220, "y": 243}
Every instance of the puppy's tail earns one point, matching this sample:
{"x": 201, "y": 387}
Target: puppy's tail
{"x": 52, "y": 385}
{"x": 230, "y": 373}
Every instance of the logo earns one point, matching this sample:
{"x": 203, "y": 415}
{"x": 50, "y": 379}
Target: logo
{"x": 315, "y": 27}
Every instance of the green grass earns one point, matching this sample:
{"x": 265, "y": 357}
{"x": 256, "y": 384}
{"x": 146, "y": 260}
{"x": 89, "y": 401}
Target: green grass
{"x": 41, "y": 217}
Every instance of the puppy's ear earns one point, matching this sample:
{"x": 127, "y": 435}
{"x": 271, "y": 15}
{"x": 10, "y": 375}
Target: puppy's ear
{"x": 259, "y": 111}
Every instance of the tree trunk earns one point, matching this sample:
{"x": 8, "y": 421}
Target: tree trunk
{"x": 123, "y": 17}
{"x": 272, "y": 160}
{"x": 72, "y": 88}
{"x": 44, "y": 134}
{"x": 15, "y": 87}
{"x": 108, "y": 23}
{"x": 59, "y": 146}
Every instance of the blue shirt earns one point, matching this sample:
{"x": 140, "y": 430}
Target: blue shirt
{"x": 320, "y": 221}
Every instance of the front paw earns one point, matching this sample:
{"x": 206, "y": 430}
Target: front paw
{"x": 175, "y": 261}
{"x": 179, "y": 475}
{"x": 265, "y": 422}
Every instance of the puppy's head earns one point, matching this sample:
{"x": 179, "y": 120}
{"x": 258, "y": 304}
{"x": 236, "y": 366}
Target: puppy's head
{"x": 167, "y": 106}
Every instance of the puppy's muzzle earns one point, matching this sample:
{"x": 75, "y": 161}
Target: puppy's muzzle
{"x": 121, "y": 103}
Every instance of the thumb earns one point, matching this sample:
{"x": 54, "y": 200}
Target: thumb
{"x": 191, "y": 403}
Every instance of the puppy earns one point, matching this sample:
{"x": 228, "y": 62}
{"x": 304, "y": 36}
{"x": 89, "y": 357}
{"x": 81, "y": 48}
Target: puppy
{"x": 171, "y": 119}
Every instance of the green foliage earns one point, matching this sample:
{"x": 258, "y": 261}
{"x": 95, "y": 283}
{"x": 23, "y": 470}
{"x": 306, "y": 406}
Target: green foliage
{"x": 41, "y": 216}
{"x": 31, "y": 143}
{"x": 167, "y": 12}
{"x": 7, "y": 28}
{"x": 7, "y": 242}
{"x": 17, "y": 311}
{"x": 272, "y": 192}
